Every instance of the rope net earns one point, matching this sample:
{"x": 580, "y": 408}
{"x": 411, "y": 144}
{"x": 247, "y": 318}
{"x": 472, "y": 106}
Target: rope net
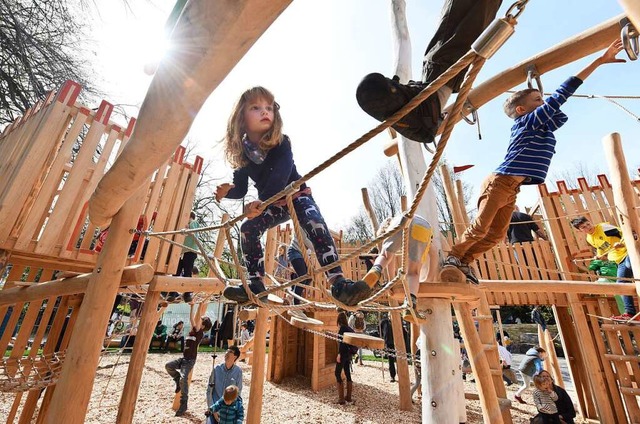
{"x": 30, "y": 373}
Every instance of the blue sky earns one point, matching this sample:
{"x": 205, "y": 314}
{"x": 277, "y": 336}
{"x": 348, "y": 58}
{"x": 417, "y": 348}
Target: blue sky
{"x": 313, "y": 57}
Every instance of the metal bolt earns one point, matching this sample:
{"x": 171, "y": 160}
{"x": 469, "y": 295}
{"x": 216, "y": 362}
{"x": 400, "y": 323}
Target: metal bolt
{"x": 434, "y": 403}
{"x": 433, "y": 353}
{"x": 429, "y": 311}
{"x": 453, "y": 372}
{"x": 98, "y": 270}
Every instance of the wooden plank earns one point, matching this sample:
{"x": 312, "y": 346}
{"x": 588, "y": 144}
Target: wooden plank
{"x": 179, "y": 218}
{"x": 87, "y": 187}
{"x": 169, "y": 221}
{"x": 67, "y": 202}
{"x": 33, "y": 158}
{"x": 612, "y": 391}
{"x": 138, "y": 274}
{"x": 479, "y": 364}
{"x": 30, "y": 227}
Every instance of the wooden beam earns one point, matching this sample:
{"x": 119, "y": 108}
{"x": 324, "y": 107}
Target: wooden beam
{"x": 210, "y": 38}
{"x": 559, "y": 286}
{"x": 71, "y": 398}
{"x": 625, "y": 199}
{"x": 185, "y": 284}
{"x": 632, "y": 8}
{"x": 574, "y": 48}
{"x": 150, "y": 314}
{"x": 131, "y": 275}
{"x": 404, "y": 383}
{"x": 254, "y": 410}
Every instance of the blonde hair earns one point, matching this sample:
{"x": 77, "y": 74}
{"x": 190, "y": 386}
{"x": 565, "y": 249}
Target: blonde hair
{"x": 538, "y": 380}
{"x": 233, "y": 149}
{"x": 230, "y": 394}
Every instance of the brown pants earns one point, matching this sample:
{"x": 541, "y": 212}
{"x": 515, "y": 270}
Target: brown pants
{"x": 495, "y": 205}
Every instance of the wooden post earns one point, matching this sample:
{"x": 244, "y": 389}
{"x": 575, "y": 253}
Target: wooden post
{"x": 402, "y": 365}
{"x": 439, "y": 365}
{"x": 632, "y": 8}
{"x": 452, "y": 200}
{"x": 625, "y": 199}
{"x": 479, "y": 364}
{"x": 71, "y": 397}
{"x": 147, "y": 325}
{"x": 254, "y": 410}
{"x": 369, "y": 210}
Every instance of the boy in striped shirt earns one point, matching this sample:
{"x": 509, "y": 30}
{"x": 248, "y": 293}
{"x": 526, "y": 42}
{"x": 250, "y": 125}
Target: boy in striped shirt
{"x": 531, "y": 147}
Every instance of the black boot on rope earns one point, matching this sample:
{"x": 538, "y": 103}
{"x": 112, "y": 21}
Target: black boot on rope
{"x": 238, "y": 294}
{"x": 381, "y": 97}
{"x": 349, "y": 292}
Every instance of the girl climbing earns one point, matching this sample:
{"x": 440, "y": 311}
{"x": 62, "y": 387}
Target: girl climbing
{"x": 256, "y": 148}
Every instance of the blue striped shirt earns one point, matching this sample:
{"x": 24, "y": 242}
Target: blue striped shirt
{"x": 532, "y": 143}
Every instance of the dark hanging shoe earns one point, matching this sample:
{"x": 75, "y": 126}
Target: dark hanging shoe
{"x": 381, "y": 97}
{"x": 238, "y": 294}
{"x": 177, "y": 381}
{"x": 172, "y": 296}
{"x": 349, "y": 292}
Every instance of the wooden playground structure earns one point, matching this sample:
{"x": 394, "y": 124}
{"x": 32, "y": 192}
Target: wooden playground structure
{"x": 56, "y": 198}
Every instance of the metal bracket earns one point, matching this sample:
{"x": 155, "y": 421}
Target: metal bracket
{"x": 533, "y": 74}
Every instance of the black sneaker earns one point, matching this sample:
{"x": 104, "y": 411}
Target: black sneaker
{"x": 381, "y": 97}
{"x": 172, "y": 296}
{"x": 350, "y": 292}
{"x": 187, "y": 297}
{"x": 452, "y": 261}
{"x": 237, "y": 293}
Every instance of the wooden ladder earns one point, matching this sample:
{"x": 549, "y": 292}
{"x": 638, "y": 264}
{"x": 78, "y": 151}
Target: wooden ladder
{"x": 483, "y": 354}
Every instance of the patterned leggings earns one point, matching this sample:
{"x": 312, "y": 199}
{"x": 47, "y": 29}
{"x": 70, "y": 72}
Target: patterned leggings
{"x": 312, "y": 223}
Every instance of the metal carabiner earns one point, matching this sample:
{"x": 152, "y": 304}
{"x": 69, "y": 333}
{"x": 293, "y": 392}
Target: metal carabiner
{"x": 533, "y": 74}
{"x": 520, "y": 5}
{"x": 629, "y": 37}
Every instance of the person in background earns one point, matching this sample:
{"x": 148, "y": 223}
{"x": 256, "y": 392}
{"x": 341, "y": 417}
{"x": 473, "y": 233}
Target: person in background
{"x": 564, "y": 403}
{"x": 187, "y": 259}
{"x": 521, "y": 228}
{"x": 176, "y": 336}
{"x": 530, "y": 366}
{"x": 223, "y": 376}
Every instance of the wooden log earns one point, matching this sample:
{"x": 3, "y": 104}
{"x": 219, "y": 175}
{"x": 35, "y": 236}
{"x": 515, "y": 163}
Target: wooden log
{"x": 185, "y": 284}
{"x": 221, "y": 32}
{"x": 632, "y": 8}
{"x": 461, "y": 292}
{"x": 625, "y": 199}
{"x": 590, "y": 356}
{"x": 248, "y": 314}
{"x": 176, "y": 398}
{"x": 479, "y": 364}
{"x": 559, "y": 286}
{"x": 150, "y": 314}
{"x": 575, "y": 363}
{"x": 254, "y": 410}
{"x": 452, "y": 200}
{"x": 404, "y": 383}
{"x": 134, "y": 274}
{"x": 70, "y": 400}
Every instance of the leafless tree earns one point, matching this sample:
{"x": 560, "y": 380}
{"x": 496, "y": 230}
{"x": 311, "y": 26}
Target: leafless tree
{"x": 385, "y": 191}
{"x": 40, "y": 48}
